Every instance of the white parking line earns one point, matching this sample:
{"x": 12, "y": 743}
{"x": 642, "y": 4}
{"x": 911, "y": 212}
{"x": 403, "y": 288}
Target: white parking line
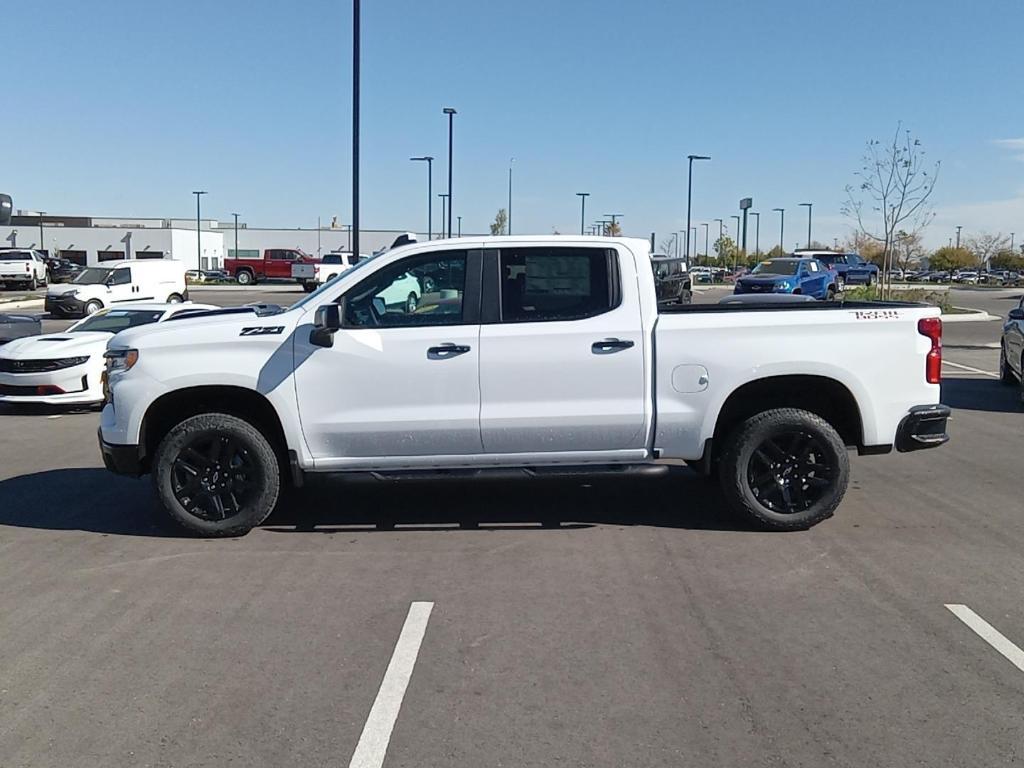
{"x": 989, "y": 634}
{"x": 972, "y": 370}
{"x": 373, "y": 742}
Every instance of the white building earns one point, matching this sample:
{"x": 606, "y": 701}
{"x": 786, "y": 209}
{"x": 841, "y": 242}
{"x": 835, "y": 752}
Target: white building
{"x": 92, "y": 240}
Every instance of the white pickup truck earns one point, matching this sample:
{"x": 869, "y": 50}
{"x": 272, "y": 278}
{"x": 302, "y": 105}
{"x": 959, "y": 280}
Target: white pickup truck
{"x": 22, "y": 266}
{"x": 545, "y": 353}
{"x": 312, "y": 276}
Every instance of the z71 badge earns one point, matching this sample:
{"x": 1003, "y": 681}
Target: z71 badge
{"x": 263, "y": 330}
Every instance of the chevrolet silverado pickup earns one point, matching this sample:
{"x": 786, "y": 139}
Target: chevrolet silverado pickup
{"x": 548, "y": 354}
{"x": 275, "y": 263}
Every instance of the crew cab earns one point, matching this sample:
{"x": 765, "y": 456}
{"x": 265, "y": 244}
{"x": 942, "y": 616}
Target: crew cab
{"x": 544, "y": 353}
{"x": 312, "y": 276}
{"x": 850, "y": 268}
{"x": 276, "y": 263}
{"x": 22, "y": 267}
{"x": 804, "y": 276}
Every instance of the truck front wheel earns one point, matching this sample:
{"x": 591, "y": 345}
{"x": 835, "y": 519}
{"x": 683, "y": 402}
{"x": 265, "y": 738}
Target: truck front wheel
{"x": 216, "y": 475}
{"x": 787, "y": 469}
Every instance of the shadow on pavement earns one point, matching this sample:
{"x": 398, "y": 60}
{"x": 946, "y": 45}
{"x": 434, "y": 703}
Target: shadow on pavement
{"x": 980, "y": 395}
{"x": 95, "y": 500}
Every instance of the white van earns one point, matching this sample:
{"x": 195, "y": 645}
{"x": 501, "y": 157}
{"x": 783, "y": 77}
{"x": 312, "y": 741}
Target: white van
{"x": 120, "y": 282}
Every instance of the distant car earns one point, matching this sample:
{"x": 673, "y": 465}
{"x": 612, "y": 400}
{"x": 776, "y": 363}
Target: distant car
{"x": 936, "y": 277}
{"x": 195, "y": 275}
{"x": 65, "y": 368}
{"x": 850, "y": 268}
{"x": 672, "y": 283}
{"x": 805, "y": 276}
{"x": 966, "y": 278}
{"x": 119, "y": 283}
{"x": 61, "y": 270}
{"x": 1011, "y": 349}
{"x": 18, "y": 326}
{"x": 23, "y": 267}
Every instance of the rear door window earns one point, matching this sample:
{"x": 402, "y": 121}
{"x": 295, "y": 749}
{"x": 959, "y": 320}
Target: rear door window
{"x": 551, "y": 284}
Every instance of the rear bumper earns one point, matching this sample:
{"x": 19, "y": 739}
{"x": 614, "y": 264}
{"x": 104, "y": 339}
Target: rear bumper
{"x": 120, "y": 459}
{"x": 924, "y": 427}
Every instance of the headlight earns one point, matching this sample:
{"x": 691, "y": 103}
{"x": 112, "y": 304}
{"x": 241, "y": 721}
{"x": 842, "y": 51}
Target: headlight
{"x": 71, "y": 294}
{"x": 785, "y": 285}
{"x": 120, "y": 360}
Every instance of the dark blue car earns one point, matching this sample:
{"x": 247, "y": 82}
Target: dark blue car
{"x": 850, "y": 268}
{"x": 808, "y": 277}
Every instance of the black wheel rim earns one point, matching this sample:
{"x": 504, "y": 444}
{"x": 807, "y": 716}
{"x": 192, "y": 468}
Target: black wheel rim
{"x": 790, "y": 472}
{"x": 214, "y": 477}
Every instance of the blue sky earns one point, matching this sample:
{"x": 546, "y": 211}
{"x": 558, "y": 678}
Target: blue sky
{"x": 121, "y": 107}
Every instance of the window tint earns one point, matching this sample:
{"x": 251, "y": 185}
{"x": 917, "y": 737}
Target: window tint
{"x": 114, "y": 320}
{"x": 421, "y": 290}
{"x": 545, "y": 284}
{"x": 121, "y": 276}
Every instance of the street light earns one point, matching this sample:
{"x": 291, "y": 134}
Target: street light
{"x": 583, "y": 207}
{"x": 511, "y": 160}
{"x": 430, "y": 192}
{"x": 689, "y": 194}
{"x": 782, "y": 227}
{"x": 444, "y": 199}
{"x": 451, "y": 117}
{"x": 460, "y": 225}
{"x": 721, "y": 234}
{"x": 199, "y": 246}
{"x": 958, "y": 236}
{"x": 43, "y": 213}
{"x": 355, "y": 128}
{"x": 808, "y": 206}
{"x": 614, "y": 218}
{"x": 236, "y": 234}
{"x": 736, "y": 247}
{"x": 705, "y": 225}
{"x": 757, "y": 232}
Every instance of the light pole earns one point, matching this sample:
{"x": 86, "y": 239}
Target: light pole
{"x": 460, "y": 225}
{"x": 583, "y": 207}
{"x": 782, "y": 227}
{"x": 444, "y": 199}
{"x": 689, "y": 195}
{"x": 236, "y": 234}
{"x": 736, "y": 246}
{"x": 757, "y": 232}
{"x": 355, "y": 128}
{"x": 451, "y": 118}
{"x": 511, "y": 160}
{"x": 809, "y": 206}
{"x": 721, "y": 234}
{"x": 430, "y": 192}
{"x": 706, "y": 227}
{"x": 199, "y": 243}
{"x": 43, "y": 213}
{"x": 1011, "y": 238}
{"x": 958, "y": 236}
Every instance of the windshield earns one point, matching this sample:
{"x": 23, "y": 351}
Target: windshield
{"x": 114, "y": 320}
{"x": 777, "y": 267}
{"x": 92, "y": 276}
{"x": 319, "y": 291}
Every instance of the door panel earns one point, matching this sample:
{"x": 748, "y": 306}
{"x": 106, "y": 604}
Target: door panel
{"x": 562, "y": 385}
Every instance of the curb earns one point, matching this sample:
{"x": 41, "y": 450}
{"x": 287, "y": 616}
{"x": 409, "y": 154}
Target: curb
{"x": 29, "y": 304}
{"x": 972, "y": 316}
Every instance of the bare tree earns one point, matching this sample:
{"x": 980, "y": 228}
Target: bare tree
{"x": 986, "y": 245}
{"x": 897, "y": 184}
{"x": 668, "y": 246}
{"x": 613, "y": 229}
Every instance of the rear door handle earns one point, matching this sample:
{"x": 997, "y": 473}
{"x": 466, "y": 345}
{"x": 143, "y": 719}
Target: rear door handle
{"x": 607, "y": 346}
{"x": 446, "y": 351}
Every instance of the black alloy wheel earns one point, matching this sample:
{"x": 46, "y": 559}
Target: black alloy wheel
{"x": 790, "y": 472}
{"x": 214, "y": 477}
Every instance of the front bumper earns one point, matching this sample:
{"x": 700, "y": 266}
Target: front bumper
{"x": 120, "y": 459}
{"x": 64, "y": 305}
{"x": 924, "y": 427}
{"x": 77, "y": 385}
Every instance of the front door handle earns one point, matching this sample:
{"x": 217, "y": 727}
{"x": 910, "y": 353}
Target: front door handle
{"x": 446, "y": 351}
{"x": 607, "y": 346}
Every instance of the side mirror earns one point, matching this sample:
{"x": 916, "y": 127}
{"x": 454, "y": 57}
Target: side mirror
{"x": 326, "y": 322}
{"x": 1015, "y": 314}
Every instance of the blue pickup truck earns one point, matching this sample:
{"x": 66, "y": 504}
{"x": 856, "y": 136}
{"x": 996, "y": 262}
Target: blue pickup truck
{"x": 792, "y": 274}
{"x": 850, "y": 268}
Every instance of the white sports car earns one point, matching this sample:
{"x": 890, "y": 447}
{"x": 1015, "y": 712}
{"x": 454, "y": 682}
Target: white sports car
{"x": 65, "y": 368}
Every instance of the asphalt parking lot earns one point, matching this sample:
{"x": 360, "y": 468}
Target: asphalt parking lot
{"x": 613, "y": 622}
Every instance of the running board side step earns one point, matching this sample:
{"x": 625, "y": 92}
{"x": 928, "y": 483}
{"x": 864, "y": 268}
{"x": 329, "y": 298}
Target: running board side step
{"x": 519, "y": 473}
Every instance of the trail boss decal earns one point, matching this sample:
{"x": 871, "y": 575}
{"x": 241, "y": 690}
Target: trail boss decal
{"x": 876, "y": 314}
{"x": 263, "y": 330}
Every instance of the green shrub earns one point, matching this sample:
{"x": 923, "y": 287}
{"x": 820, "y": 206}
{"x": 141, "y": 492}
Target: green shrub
{"x": 921, "y": 295}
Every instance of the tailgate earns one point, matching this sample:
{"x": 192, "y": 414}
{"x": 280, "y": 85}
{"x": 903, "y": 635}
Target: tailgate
{"x": 304, "y": 271}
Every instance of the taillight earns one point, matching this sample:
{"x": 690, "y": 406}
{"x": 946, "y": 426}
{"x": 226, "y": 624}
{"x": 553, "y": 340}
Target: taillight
{"x": 932, "y": 328}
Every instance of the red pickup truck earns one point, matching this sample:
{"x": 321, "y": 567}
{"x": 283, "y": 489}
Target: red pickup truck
{"x": 276, "y": 263}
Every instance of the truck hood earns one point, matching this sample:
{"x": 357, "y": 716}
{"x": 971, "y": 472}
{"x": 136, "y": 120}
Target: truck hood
{"x": 233, "y": 326}
{"x": 57, "y": 345}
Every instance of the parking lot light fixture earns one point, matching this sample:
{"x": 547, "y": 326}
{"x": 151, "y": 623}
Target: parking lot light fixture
{"x": 451, "y": 125}
{"x": 958, "y": 235}
{"x": 583, "y": 208}
{"x": 782, "y": 227}
{"x": 199, "y": 238}
{"x": 689, "y": 195}
{"x": 429, "y": 160}
{"x": 757, "y": 232}
{"x": 236, "y": 234}
{"x": 706, "y": 228}
{"x": 809, "y": 206}
{"x": 444, "y": 200}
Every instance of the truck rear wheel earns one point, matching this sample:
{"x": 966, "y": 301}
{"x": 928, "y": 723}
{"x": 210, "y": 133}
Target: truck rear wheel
{"x": 245, "y": 277}
{"x": 787, "y": 469}
{"x": 216, "y": 475}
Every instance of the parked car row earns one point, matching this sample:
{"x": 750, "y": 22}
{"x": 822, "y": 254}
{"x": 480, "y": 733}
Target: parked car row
{"x": 1007, "y": 278}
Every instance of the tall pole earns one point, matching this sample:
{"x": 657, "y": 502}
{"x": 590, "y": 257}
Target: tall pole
{"x": 355, "y": 127}
{"x": 736, "y": 244}
{"x": 510, "y": 162}
{"x": 958, "y": 236}
{"x": 42, "y": 213}
{"x": 1011, "y": 238}
{"x": 444, "y": 199}
{"x": 430, "y": 192}
{"x": 236, "y": 234}
{"x": 199, "y": 238}
{"x": 450, "y": 201}
{"x": 706, "y": 227}
{"x": 809, "y": 206}
{"x": 583, "y": 208}
{"x": 689, "y": 195}
{"x": 460, "y": 225}
{"x": 782, "y": 227}
{"x": 318, "y": 247}
{"x": 757, "y": 232}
